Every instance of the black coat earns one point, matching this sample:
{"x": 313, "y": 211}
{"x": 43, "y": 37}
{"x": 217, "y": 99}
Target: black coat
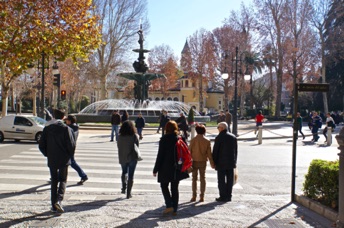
{"x": 166, "y": 159}
{"x": 163, "y": 120}
{"x": 57, "y": 144}
{"x": 225, "y": 151}
{"x": 140, "y": 122}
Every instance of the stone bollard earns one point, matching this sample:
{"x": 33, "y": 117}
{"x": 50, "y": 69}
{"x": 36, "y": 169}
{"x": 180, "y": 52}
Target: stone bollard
{"x": 260, "y": 134}
{"x": 340, "y": 140}
{"x": 329, "y": 136}
{"x": 193, "y": 131}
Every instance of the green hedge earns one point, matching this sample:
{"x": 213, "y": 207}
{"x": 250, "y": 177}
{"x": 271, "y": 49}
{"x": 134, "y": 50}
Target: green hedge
{"x": 322, "y": 182}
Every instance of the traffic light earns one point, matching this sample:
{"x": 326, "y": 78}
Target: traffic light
{"x": 63, "y": 95}
{"x": 57, "y": 80}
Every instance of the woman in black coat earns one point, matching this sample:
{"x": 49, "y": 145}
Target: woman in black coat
{"x": 165, "y": 166}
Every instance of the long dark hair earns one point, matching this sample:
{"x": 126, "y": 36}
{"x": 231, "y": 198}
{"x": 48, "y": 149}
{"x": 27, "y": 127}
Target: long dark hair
{"x": 127, "y": 128}
{"x": 125, "y": 113}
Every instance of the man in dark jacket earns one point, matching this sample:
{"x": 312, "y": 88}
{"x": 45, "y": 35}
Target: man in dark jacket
{"x": 183, "y": 124}
{"x": 163, "y": 120}
{"x": 115, "y": 122}
{"x": 225, "y": 153}
{"x": 58, "y": 145}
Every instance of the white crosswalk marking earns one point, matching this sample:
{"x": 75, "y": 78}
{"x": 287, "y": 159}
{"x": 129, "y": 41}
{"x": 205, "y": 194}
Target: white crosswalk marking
{"x": 28, "y": 170}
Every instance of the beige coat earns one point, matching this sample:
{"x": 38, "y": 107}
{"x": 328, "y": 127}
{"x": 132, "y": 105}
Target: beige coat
{"x": 200, "y": 149}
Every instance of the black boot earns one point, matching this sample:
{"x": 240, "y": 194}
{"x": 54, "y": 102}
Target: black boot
{"x": 130, "y": 185}
{"x": 124, "y": 183}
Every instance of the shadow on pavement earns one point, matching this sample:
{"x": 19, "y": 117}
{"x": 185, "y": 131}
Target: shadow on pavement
{"x": 186, "y": 210}
{"x": 26, "y": 191}
{"x": 49, "y": 219}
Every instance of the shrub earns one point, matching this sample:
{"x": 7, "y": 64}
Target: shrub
{"x": 322, "y": 182}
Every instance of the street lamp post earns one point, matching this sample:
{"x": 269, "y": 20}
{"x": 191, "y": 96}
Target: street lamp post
{"x": 225, "y": 77}
{"x": 235, "y": 113}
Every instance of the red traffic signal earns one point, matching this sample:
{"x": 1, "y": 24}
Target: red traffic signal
{"x": 63, "y": 95}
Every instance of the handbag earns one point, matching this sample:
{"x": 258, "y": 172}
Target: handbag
{"x": 136, "y": 151}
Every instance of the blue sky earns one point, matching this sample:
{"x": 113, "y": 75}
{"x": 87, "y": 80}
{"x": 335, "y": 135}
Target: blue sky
{"x": 173, "y": 21}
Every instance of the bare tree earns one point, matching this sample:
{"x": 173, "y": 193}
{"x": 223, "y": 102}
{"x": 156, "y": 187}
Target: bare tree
{"x": 120, "y": 22}
{"x": 203, "y": 61}
{"x": 272, "y": 26}
{"x": 320, "y": 13}
{"x": 162, "y": 60}
{"x": 300, "y": 41}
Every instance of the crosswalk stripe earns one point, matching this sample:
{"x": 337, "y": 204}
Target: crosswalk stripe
{"x": 100, "y": 163}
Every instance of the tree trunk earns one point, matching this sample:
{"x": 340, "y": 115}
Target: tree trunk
{"x": 103, "y": 91}
{"x": 34, "y": 104}
{"x": 323, "y": 74}
{"x": 242, "y": 98}
{"x": 4, "y": 99}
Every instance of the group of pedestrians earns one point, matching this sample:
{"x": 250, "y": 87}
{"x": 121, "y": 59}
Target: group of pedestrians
{"x": 225, "y": 117}
{"x": 58, "y": 144}
{"x": 223, "y": 158}
{"x": 314, "y": 124}
{"x": 117, "y": 120}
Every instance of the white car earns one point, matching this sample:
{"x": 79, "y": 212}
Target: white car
{"x": 19, "y": 127}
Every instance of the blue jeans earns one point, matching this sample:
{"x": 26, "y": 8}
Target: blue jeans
{"x": 139, "y": 131}
{"x": 114, "y": 129}
{"x": 77, "y": 168}
{"x": 129, "y": 168}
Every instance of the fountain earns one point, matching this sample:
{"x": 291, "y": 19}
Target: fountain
{"x": 101, "y": 111}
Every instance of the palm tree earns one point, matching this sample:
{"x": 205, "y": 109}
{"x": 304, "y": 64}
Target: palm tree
{"x": 253, "y": 63}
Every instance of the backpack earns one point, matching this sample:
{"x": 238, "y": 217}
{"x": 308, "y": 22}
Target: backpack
{"x": 183, "y": 155}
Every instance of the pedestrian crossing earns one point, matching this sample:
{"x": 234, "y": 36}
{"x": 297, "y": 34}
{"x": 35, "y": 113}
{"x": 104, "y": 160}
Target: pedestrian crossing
{"x": 28, "y": 171}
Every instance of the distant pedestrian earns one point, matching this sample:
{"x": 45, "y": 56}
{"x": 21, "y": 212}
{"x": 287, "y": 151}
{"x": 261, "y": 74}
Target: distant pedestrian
{"x": 299, "y": 124}
{"x": 71, "y": 122}
{"x": 221, "y": 117}
{"x": 58, "y": 145}
{"x": 163, "y": 120}
{"x": 329, "y": 123}
{"x": 183, "y": 125}
{"x": 161, "y": 114}
{"x": 228, "y": 119}
{"x": 125, "y": 144}
{"x": 115, "y": 122}
{"x": 316, "y": 124}
{"x": 200, "y": 149}
{"x": 140, "y": 124}
{"x": 125, "y": 116}
{"x": 166, "y": 168}
{"x": 225, "y": 153}
{"x": 259, "y": 121}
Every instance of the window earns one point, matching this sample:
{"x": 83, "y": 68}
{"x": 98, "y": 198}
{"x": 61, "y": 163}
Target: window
{"x": 186, "y": 83}
{"x": 175, "y": 99}
{"x": 157, "y": 99}
{"x": 22, "y": 121}
{"x": 169, "y": 98}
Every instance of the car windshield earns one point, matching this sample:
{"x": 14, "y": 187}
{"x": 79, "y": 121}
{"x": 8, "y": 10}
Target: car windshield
{"x": 37, "y": 120}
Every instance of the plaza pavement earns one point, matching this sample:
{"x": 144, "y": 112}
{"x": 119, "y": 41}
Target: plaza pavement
{"x": 111, "y": 209}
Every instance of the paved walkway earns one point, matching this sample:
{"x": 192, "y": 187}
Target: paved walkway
{"x": 111, "y": 209}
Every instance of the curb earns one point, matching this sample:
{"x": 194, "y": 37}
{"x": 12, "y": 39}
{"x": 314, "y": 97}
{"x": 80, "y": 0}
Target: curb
{"x": 317, "y": 207}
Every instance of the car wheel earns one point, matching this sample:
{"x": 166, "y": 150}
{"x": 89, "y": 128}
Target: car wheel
{"x": 38, "y": 136}
{"x": 1, "y": 137}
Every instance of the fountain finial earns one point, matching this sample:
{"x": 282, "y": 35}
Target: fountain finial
{"x": 141, "y": 77}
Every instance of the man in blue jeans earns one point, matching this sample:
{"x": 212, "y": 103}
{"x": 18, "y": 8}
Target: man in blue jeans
{"x": 71, "y": 122}
{"x": 115, "y": 122}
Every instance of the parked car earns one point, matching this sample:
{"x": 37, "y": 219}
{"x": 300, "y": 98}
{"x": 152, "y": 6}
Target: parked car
{"x": 20, "y": 127}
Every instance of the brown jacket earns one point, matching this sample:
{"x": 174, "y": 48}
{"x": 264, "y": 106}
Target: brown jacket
{"x": 200, "y": 149}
